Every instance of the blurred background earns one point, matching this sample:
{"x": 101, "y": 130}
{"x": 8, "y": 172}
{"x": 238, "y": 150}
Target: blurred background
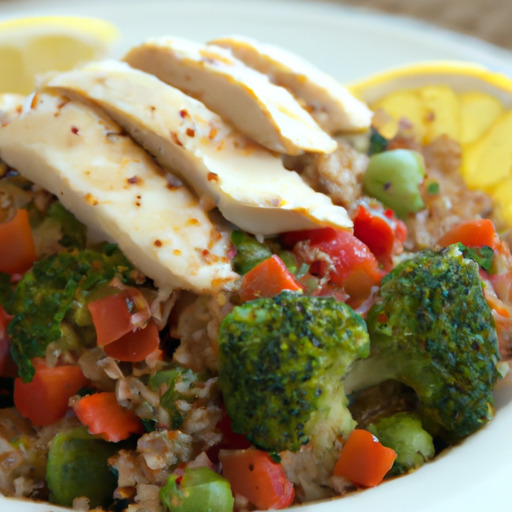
{"x": 490, "y": 20}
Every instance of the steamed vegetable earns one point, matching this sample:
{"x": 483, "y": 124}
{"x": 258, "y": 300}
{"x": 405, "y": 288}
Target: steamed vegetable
{"x": 104, "y": 416}
{"x": 268, "y": 278}
{"x": 254, "y": 475}
{"x": 77, "y": 466}
{"x": 432, "y": 329}
{"x": 198, "y": 489}
{"x": 44, "y": 399}
{"x": 18, "y": 250}
{"x": 48, "y": 295}
{"x": 394, "y": 178}
{"x": 404, "y": 433}
{"x": 364, "y": 460}
{"x": 281, "y": 361}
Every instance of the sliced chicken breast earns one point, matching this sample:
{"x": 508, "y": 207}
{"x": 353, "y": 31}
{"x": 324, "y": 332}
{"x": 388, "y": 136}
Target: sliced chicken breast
{"x": 111, "y": 184}
{"x": 264, "y": 112}
{"x": 328, "y": 101}
{"x": 246, "y": 182}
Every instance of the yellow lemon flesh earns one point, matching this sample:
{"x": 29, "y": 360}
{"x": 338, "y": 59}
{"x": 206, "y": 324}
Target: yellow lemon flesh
{"x": 30, "y": 46}
{"x": 465, "y": 101}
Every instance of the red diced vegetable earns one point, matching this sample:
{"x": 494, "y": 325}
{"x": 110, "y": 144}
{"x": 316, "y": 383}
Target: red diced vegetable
{"x": 231, "y": 439}
{"x": 18, "y": 250}
{"x": 254, "y": 475}
{"x": 364, "y": 460}
{"x": 355, "y": 268}
{"x": 381, "y": 231}
{"x": 268, "y": 278}
{"x": 103, "y": 415}
{"x": 113, "y": 316}
{"x": 472, "y": 233}
{"x": 44, "y": 400}
{"x": 136, "y": 345}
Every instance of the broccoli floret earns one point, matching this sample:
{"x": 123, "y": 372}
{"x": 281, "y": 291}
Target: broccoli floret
{"x": 74, "y": 233}
{"x": 404, "y": 433}
{"x": 46, "y": 296}
{"x": 432, "y": 329}
{"x": 281, "y": 364}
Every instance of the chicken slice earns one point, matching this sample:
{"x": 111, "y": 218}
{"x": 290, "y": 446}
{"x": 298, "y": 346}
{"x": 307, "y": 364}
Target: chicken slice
{"x": 264, "y": 112}
{"x": 112, "y": 185}
{"x": 11, "y": 106}
{"x": 329, "y": 102}
{"x": 246, "y": 182}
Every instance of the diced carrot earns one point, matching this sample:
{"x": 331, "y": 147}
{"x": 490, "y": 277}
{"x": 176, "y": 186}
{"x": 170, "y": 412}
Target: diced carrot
{"x": 44, "y": 399}
{"x": 363, "y": 460}
{"x": 113, "y": 315}
{"x": 18, "y": 250}
{"x": 268, "y": 278}
{"x": 254, "y": 475}
{"x": 136, "y": 345}
{"x": 103, "y": 415}
{"x": 471, "y": 233}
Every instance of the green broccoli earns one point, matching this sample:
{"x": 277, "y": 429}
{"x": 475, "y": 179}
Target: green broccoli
{"x": 432, "y": 330}
{"x": 404, "y": 433}
{"x": 50, "y": 292}
{"x": 73, "y": 232}
{"x": 281, "y": 364}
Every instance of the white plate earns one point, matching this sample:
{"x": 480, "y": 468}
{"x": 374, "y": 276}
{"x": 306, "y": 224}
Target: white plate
{"x": 348, "y": 44}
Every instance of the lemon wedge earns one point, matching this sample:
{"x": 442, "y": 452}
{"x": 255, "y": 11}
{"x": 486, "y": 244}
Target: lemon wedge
{"x": 30, "y": 46}
{"x": 468, "y": 102}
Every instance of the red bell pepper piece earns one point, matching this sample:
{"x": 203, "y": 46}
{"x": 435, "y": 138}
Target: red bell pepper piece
{"x": 381, "y": 231}
{"x": 44, "y": 399}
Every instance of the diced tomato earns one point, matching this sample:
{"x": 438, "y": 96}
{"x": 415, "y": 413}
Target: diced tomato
{"x": 18, "y": 251}
{"x": 381, "y": 231}
{"x": 115, "y": 315}
{"x": 44, "y": 399}
{"x": 354, "y": 267}
{"x": 364, "y": 460}
{"x": 267, "y": 279}
{"x": 103, "y": 415}
{"x": 230, "y": 440}
{"x": 254, "y": 475}
{"x": 136, "y": 345}
{"x": 471, "y": 233}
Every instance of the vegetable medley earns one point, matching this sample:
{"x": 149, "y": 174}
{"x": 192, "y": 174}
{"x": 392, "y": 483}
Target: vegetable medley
{"x": 334, "y": 354}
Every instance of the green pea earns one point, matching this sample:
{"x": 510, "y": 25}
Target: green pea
{"x": 200, "y": 489}
{"x": 394, "y": 178}
{"x": 77, "y": 466}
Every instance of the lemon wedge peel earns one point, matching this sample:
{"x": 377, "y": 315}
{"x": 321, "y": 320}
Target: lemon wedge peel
{"x": 460, "y": 76}
{"x": 36, "y": 45}
{"x": 466, "y": 101}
